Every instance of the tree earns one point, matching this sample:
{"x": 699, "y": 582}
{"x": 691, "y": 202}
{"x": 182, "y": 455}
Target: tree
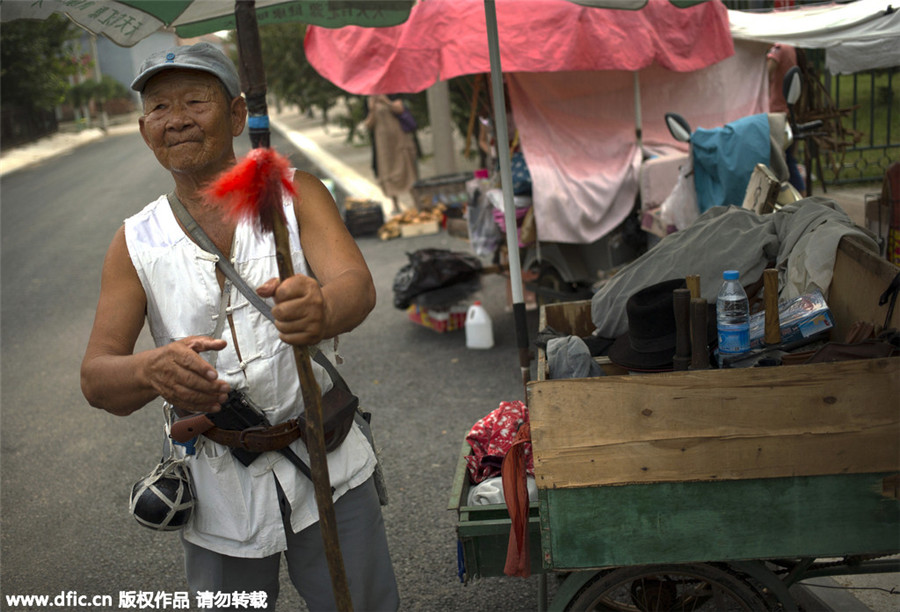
{"x": 99, "y": 92}
{"x": 34, "y": 63}
{"x": 293, "y": 80}
{"x": 288, "y": 75}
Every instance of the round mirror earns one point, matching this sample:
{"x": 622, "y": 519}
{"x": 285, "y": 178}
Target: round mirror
{"x": 792, "y": 86}
{"x": 678, "y": 127}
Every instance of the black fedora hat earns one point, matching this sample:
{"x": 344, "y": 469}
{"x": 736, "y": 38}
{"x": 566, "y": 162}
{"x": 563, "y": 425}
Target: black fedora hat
{"x": 649, "y": 343}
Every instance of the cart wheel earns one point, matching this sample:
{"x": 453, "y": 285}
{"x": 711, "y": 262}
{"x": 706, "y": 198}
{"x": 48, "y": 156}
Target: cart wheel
{"x": 658, "y": 588}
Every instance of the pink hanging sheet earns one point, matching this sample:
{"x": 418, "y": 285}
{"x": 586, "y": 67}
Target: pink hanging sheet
{"x": 577, "y": 132}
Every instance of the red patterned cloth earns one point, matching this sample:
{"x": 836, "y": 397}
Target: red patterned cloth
{"x": 492, "y": 437}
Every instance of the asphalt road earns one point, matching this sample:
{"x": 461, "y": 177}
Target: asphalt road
{"x": 67, "y": 468}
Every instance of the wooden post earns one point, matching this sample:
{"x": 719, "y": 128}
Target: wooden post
{"x": 693, "y": 283}
{"x": 770, "y": 290}
{"x": 681, "y": 300}
{"x": 699, "y": 353}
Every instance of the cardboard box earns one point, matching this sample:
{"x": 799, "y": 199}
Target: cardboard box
{"x": 878, "y": 217}
{"x": 423, "y": 228}
{"x": 762, "y": 191}
{"x": 440, "y": 320}
{"x": 799, "y": 318}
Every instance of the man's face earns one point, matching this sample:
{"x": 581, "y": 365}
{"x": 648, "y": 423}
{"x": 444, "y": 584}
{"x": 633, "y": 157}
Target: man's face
{"x": 189, "y": 123}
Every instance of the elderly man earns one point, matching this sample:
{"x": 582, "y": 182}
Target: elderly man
{"x": 210, "y": 340}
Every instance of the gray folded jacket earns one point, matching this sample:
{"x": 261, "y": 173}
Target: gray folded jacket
{"x": 801, "y": 239}
{"x": 569, "y": 357}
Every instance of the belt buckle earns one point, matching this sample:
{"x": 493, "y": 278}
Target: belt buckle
{"x": 243, "y": 443}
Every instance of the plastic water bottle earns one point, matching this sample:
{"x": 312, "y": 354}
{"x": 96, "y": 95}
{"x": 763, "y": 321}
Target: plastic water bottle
{"x": 732, "y": 317}
{"x": 479, "y": 328}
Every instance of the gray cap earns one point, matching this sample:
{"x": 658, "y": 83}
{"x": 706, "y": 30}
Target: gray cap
{"x": 202, "y": 56}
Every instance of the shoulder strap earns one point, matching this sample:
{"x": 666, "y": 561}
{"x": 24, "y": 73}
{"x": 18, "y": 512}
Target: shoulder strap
{"x": 224, "y": 264}
{"x": 231, "y": 274}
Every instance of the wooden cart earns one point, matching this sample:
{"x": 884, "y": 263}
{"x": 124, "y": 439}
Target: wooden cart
{"x": 715, "y": 488}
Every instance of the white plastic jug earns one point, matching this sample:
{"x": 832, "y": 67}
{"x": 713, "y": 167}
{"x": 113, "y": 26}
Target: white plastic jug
{"x": 479, "y": 328}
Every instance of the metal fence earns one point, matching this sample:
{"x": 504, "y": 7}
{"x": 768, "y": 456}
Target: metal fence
{"x": 869, "y": 101}
{"x": 868, "y": 104}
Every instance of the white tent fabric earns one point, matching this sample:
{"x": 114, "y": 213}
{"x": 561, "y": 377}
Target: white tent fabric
{"x": 861, "y": 35}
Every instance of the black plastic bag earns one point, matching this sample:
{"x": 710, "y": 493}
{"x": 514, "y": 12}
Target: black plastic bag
{"x": 430, "y": 269}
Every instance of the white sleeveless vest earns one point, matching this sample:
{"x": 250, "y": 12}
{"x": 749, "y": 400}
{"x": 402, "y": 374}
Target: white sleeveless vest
{"x": 237, "y": 511}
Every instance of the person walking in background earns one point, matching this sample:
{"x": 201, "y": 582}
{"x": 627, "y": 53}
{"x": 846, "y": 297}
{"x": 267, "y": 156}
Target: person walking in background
{"x": 393, "y": 146}
{"x": 779, "y": 59}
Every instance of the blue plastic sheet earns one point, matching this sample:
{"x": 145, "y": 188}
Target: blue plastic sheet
{"x": 724, "y": 159}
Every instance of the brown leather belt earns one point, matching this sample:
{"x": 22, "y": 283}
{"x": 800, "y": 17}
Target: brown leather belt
{"x": 336, "y": 403}
{"x": 258, "y": 439}
{"x": 262, "y": 439}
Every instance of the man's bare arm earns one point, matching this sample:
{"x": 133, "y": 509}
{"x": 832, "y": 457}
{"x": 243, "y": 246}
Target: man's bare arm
{"x": 342, "y": 295}
{"x": 119, "y": 381}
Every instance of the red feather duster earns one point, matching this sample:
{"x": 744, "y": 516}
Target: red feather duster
{"x": 254, "y": 188}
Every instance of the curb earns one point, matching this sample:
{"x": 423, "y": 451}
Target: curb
{"x": 830, "y": 596}
{"x": 57, "y": 144}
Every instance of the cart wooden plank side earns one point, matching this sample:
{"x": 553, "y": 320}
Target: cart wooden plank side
{"x": 737, "y": 466}
{"x": 724, "y": 464}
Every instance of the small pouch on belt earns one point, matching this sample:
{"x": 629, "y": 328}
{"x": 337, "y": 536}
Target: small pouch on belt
{"x": 338, "y": 409}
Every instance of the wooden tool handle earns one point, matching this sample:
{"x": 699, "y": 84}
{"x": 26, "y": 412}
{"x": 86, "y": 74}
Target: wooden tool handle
{"x": 681, "y": 300}
{"x": 770, "y": 290}
{"x": 315, "y": 439}
{"x": 693, "y": 283}
{"x": 699, "y": 351}
{"x": 186, "y": 428}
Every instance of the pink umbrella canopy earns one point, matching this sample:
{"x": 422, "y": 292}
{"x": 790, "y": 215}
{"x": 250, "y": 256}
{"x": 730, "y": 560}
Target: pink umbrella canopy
{"x": 443, "y": 39}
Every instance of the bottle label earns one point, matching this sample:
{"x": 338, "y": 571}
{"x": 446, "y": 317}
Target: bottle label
{"x": 734, "y": 339}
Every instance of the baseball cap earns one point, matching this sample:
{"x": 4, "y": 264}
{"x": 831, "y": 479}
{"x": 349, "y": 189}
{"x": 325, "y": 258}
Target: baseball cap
{"x": 201, "y": 56}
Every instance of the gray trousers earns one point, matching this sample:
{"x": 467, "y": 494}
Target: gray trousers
{"x": 363, "y": 546}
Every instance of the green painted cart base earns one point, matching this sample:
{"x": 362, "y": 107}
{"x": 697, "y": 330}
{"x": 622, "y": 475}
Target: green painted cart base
{"x": 681, "y": 522}
{"x": 483, "y": 531}
{"x": 579, "y": 532}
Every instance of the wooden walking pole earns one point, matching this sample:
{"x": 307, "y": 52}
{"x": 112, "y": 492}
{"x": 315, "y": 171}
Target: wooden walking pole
{"x": 315, "y": 439}
{"x": 253, "y": 189}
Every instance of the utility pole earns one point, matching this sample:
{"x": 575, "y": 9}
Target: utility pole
{"x": 438, "y": 96}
